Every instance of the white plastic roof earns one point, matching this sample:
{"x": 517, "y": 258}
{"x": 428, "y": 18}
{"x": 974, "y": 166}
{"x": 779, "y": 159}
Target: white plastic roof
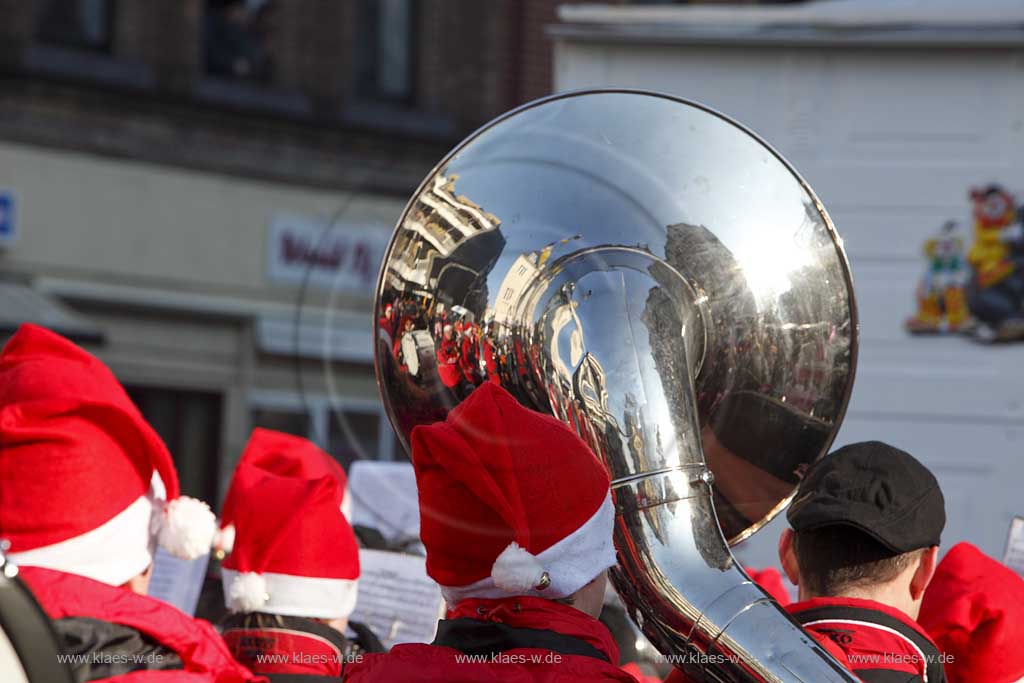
{"x": 828, "y": 14}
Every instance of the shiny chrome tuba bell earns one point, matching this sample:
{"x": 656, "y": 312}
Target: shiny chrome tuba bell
{"x": 656, "y": 276}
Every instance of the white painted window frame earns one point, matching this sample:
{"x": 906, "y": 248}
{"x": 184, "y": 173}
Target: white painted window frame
{"x": 320, "y": 407}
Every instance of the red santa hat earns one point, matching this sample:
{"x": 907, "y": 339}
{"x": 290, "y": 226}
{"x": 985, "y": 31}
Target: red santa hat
{"x": 294, "y": 552}
{"x": 287, "y": 456}
{"x": 512, "y": 502}
{"x": 974, "y": 610}
{"x": 88, "y": 485}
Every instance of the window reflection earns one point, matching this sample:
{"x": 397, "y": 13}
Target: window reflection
{"x": 235, "y": 39}
{"x": 76, "y": 23}
{"x": 385, "y": 47}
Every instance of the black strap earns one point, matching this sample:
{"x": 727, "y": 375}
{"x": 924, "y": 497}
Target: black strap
{"x": 244, "y": 621}
{"x": 933, "y": 663}
{"x": 487, "y": 639}
{"x": 365, "y": 639}
{"x": 31, "y": 634}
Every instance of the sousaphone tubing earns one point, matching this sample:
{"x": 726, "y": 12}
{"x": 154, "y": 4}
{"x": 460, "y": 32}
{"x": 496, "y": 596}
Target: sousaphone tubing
{"x": 656, "y": 276}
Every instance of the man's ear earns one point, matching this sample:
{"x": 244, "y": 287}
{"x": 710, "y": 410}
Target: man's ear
{"x": 788, "y": 558}
{"x": 924, "y": 572}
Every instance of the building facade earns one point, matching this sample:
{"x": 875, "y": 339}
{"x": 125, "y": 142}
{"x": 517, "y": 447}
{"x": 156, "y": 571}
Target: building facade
{"x": 201, "y": 193}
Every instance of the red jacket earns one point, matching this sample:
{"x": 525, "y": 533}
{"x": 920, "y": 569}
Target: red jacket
{"x": 880, "y": 643}
{"x": 448, "y": 363}
{"x": 469, "y": 359}
{"x": 70, "y": 599}
{"x": 517, "y": 640}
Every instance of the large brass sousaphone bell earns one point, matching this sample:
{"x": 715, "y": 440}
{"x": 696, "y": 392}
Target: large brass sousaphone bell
{"x": 656, "y": 276}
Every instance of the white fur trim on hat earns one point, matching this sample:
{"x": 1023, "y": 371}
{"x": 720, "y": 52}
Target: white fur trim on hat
{"x": 247, "y": 593}
{"x": 114, "y": 552}
{"x": 571, "y": 563}
{"x": 296, "y": 596}
{"x": 188, "y": 528}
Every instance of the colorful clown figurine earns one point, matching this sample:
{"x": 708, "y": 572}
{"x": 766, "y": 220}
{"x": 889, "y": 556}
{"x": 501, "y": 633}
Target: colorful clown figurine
{"x": 941, "y": 301}
{"x": 995, "y": 293}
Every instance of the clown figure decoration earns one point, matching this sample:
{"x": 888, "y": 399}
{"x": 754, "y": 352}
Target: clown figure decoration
{"x": 941, "y": 300}
{"x": 995, "y": 292}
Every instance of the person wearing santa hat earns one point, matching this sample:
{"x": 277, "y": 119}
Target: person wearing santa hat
{"x": 866, "y": 523}
{"x": 448, "y": 358}
{"x": 516, "y": 518}
{"x": 283, "y": 454}
{"x": 387, "y": 321}
{"x": 974, "y": 610}
{"x": 292, "y": 568}
{"x": 89, "y": 489}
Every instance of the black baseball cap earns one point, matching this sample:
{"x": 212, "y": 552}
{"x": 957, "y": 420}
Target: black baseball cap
{"x": 876, "y": 488}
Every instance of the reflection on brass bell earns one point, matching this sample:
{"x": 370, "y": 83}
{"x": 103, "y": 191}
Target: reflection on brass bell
{"x": 545, "y": 581}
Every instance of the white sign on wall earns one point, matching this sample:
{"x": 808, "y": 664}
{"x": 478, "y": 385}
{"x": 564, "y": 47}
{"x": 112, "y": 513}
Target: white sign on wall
{"x": 343, "y": 257}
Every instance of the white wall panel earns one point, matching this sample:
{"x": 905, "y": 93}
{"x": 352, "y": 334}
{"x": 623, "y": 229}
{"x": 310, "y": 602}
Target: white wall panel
{"x": 891, "y": 140}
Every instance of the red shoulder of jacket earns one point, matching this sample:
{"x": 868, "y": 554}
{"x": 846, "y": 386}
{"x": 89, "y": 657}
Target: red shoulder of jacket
{"x": 203, "y": 651}
{"x": 859, "y": 603}
{"x": 873, "y": 636}
{"x": 431, "y": 664}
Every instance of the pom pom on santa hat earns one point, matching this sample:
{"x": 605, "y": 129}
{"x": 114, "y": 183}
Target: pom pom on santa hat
{"x": 294, "y": 552}
{"x": 536, "y": 495}
{"x": 286, "y": 455}
{"x": 974, "y": 611}
{"x": 83, "y": 470}
{"x": 247, "y": 592}
{"x": 188, "y": 528}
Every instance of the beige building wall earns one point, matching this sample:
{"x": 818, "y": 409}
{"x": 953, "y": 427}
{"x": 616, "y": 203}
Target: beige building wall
{"x": 172, "y": 266}
{"x": 110, "y": 220}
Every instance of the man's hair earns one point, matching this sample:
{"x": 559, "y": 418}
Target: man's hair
{"x": 836, "y": 558}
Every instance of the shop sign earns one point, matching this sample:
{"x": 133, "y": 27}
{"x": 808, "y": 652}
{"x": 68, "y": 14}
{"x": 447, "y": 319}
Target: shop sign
{"x": 343, "y": 257}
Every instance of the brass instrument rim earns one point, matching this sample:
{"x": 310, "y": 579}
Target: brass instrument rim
{"x": 836, "y": 241}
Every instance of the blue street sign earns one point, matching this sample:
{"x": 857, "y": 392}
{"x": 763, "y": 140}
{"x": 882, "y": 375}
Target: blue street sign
{"x": 8, "y": 218}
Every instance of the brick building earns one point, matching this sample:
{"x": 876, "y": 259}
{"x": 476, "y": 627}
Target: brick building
{"x": 360, "y": 79}
{"x": 173, "y": 174}
{"x": 195, "y": 189}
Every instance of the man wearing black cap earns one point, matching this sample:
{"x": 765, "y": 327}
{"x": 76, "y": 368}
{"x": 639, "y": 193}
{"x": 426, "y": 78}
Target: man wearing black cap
{"x": 866, "y": 525}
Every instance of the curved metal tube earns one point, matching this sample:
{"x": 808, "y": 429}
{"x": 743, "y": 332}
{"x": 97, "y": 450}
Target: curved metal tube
{"x": 676, "y": 574}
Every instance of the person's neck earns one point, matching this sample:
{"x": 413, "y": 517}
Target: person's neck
{"x": 888, "y": 594}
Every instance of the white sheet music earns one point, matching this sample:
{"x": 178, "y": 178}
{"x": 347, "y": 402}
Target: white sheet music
{"x": 178, "y": 581}
{"x": 385, "y": 498}
{"x": 1014, "y": 557}
{"x": 397, "y": 600}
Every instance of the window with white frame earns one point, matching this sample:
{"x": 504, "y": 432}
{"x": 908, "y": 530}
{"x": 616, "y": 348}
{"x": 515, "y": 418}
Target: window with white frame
{"x": 348, "y": 428}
